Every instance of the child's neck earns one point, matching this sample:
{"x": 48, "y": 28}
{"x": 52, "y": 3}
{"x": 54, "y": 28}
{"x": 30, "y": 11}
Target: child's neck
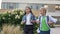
{"x": 44, "y": 15}
{"x": 27, "y": 13}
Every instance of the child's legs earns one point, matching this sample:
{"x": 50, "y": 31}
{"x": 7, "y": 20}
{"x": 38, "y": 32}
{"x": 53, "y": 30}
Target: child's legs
{"x": 48, "y": 32}
{"x": 30, "y": 29}
{"x": 38, "y": 33}
{"x": 26, "y": 30}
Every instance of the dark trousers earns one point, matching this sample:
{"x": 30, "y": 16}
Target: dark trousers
{"x": 45, "y": 32}
{"x": 28, "y": 29}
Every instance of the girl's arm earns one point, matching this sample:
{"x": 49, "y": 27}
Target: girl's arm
{"x": 34, "y": 19}
{"x": 23, "y": 20}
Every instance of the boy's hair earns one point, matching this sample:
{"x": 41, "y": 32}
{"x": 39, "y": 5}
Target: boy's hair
{"x": 43, "y": 9}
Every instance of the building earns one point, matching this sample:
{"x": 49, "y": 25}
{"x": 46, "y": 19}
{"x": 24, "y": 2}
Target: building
{"x": 53, "y": 5}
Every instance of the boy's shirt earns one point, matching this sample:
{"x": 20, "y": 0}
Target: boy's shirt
{"x": 44, "y": 26}
{"x": 50, "y": 19}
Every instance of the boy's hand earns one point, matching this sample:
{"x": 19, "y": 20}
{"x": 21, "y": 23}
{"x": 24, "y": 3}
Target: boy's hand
{"x": 50, "y": 22}
{"x": 37, "y": 22}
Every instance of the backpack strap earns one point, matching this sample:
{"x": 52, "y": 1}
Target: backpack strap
{"x": 47, "y": 18}
{"x": 39, "y": 21}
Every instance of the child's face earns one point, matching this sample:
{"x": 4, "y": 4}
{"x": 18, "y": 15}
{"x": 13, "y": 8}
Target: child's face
{"x": 27, "y": 10}
{"x": 42, "y": 12}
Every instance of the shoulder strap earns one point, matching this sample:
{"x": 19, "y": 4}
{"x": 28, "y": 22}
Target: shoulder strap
{"x": 39, "y": 18}
{"x": 47, "y": 18}
{"x": 39, "y": 21}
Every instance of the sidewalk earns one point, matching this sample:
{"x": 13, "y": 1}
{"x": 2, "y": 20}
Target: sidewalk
{"x": 55, "y": 30}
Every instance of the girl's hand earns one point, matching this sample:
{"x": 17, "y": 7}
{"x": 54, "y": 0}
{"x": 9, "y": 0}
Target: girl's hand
{"x": 23, "y": 22}
{"x": 33, "y": 21}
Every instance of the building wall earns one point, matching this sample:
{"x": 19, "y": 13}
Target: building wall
{"x": 21, "y": 4}
{"x": 34, "y": 1}
{"x": 9, "y": 5}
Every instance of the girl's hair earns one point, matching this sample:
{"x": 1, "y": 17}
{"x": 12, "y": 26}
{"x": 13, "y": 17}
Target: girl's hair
{"x": 30, "y": 10}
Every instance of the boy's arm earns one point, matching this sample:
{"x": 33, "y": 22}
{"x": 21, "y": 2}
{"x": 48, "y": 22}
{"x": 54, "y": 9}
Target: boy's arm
{"x": 52, "y": 20}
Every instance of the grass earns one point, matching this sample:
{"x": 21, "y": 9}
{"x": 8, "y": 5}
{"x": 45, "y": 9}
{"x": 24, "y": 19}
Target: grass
{"x": 11, "y": 29}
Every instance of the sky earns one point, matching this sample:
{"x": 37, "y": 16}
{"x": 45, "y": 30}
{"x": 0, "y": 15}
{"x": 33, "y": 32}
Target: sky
{"x": 0, "y": 3}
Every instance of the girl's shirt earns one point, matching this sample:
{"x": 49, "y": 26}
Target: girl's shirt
{"x": 28, "y": 18}
{"x": 28, "y": 22}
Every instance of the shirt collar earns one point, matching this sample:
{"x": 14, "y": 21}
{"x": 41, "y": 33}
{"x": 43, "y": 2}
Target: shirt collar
{"x": 29, "y": 14}
{"x": 41, "y": 15}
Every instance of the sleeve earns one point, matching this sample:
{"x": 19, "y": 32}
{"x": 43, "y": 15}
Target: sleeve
{"x": 52, "y": 19}
{"x": 23, "y": 18}
{"x": 34, "y": 18}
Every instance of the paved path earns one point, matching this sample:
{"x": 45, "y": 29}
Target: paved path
{"x": 55, "y": 30}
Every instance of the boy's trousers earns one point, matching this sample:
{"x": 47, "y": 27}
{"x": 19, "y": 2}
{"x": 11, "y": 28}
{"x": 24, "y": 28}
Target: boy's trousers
{"x": 45, "y": 32}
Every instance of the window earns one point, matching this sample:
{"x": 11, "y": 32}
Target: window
{"x": 57, "y": 7}
{"x": 36, "y": 6}
{"x": 10, "y": 5}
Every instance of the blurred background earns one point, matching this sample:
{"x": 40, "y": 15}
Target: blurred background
{"x": 53, "y": 6}
{"x": 11, "y": 6}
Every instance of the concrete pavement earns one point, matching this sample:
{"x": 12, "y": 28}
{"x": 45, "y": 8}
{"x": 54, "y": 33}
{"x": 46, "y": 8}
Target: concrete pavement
{"x": 55, "y": 30}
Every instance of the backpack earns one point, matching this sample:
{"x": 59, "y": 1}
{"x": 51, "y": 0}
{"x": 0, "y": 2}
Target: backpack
{"x": 46, "y": 16}
{"x": 40, "y": 19}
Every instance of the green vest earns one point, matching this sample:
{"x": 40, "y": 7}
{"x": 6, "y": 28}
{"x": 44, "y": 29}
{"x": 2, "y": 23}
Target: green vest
{"x": 44, "y": 24}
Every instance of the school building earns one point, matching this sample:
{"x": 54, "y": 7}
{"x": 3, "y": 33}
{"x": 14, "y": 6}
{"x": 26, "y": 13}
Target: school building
{"x": 53, "y": 6}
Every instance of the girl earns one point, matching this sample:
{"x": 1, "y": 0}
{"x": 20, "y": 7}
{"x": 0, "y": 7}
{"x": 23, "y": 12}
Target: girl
{"x": 45, "y": 21}
{"x": 28, "y": 19}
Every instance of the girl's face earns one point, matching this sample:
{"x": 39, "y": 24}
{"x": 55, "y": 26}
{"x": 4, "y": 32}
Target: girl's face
{"x": 27, "y": 10}
{"x": 42, "y": 12}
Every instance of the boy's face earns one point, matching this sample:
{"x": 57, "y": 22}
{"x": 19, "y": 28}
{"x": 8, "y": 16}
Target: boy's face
{"x": 42, "y": 12}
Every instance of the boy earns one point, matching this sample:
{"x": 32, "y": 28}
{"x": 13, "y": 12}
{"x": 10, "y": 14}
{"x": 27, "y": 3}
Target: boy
{"x": 45, "y": 22}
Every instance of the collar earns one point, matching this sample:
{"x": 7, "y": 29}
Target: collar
{"x": 28, "y": 14}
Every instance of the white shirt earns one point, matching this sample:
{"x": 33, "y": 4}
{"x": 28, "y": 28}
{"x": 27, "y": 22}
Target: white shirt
{"x": 28, "y": 22}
